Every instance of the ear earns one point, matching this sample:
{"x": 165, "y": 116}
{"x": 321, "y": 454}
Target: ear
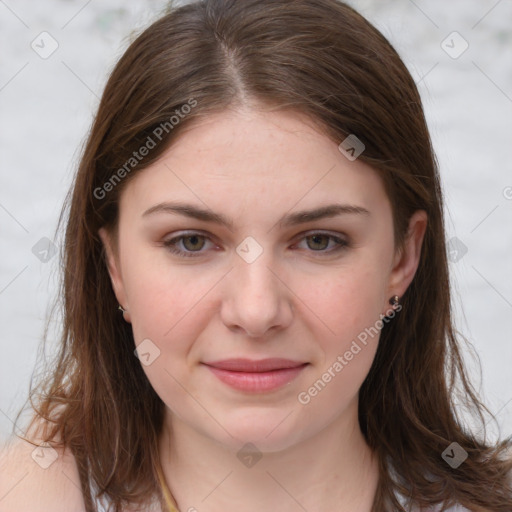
{"x": 406, "y": 261}
{"x": 114, "y": 271}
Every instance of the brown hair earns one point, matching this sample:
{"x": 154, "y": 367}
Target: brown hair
{"x": 323, "y": 59}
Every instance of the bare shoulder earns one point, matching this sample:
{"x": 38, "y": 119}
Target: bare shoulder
{"x": 38, "y": 478}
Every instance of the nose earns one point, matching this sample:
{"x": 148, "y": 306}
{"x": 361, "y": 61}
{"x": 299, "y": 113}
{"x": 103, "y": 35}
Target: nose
{"x": 255, "y": 298}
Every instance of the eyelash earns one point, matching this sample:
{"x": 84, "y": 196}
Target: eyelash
{"x": 171, "y": 244}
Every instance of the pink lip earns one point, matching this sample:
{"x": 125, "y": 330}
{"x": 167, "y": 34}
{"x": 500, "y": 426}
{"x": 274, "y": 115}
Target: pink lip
{"x": 256, "y": 376}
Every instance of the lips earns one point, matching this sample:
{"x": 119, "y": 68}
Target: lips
{"x": 256, "y": 375}
{"x": 248, "y": 365}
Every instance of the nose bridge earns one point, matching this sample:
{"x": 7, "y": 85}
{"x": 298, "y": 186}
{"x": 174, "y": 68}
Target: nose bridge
{"x": 252, "y": 266}
{"x": 256, "y": 279}
{"x": 255, "y": 299}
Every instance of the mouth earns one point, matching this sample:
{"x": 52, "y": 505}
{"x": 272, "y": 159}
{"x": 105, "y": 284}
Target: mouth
{"x": 256, "y": 375}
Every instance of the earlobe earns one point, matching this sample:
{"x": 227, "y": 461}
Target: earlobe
{"x": 112, "y": 262}
{"x": 407, "y": 260}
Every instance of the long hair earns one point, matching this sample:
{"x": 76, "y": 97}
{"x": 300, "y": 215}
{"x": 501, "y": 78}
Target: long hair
{"x": 323, "y": 59}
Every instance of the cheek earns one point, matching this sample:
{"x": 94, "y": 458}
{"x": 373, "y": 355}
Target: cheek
{"x": 351, "y": 308}
{"x": 167, "y": 307}
{"x": 171, "y": 306}
{"x": 349, "y": 304}
{"x": 163, "y": 303}
{"x": 347, "y": 301}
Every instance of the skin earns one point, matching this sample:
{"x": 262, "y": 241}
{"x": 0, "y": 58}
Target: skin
{"x": 299, "y": 299}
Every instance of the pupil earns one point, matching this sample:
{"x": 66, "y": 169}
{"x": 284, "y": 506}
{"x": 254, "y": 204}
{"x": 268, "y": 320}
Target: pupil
{"x": 194, "y": 239}
{"x": 316, "y": 237}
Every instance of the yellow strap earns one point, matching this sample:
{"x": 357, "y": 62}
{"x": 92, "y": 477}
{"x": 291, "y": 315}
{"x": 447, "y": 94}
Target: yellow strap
{"x": 171, "y": 504}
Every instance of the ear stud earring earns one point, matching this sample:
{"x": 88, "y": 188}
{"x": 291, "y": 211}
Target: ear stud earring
{"x": 394, "y": 301}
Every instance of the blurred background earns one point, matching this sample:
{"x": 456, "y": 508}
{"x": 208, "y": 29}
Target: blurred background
{"x": 55, "y": 59}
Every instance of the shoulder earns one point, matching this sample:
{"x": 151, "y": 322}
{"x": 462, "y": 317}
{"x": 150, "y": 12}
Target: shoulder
{"x": 37, "y": 477}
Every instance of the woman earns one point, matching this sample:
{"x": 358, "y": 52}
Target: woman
{"x": 256, "y": 294}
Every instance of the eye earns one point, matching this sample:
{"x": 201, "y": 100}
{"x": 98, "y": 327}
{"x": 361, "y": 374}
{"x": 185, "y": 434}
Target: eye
{"x": 191, "y": 244}
{"x": 318, "y": 242}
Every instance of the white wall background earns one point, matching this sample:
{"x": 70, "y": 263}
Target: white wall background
{"x": 46, "y": 107}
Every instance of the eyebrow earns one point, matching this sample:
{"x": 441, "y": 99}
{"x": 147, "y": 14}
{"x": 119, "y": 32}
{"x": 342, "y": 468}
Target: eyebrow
{"x": 291, "y": 219}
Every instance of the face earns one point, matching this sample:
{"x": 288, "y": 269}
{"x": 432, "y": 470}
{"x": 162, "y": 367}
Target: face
{"x": 251, "y": 318}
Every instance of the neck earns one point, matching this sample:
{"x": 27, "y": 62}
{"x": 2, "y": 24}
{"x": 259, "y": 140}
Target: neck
{"x": 332, "y": 471}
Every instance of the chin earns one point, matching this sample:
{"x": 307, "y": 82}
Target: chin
{"x": 269, "y": 430}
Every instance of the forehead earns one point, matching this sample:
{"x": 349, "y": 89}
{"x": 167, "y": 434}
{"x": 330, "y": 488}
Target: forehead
{"x": 256, "y": 161}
